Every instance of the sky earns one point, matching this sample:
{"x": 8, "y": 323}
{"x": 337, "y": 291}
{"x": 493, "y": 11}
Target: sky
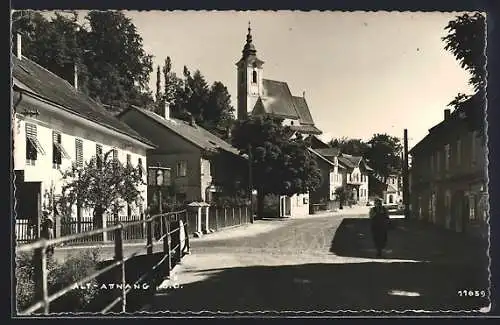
{"x": 362, "y": 72}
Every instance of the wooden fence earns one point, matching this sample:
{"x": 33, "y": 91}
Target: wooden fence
{"x": 220, "y": 217}
{"x": 173, "y": 235}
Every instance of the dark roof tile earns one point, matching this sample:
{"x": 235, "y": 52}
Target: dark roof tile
{"x": 197, "y": 135}
{"x": 34, "y": 78}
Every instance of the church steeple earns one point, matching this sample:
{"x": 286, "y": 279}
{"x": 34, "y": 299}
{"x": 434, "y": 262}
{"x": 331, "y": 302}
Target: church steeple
{"x": 249, "y": 48}
{"x": 250, "y": 78}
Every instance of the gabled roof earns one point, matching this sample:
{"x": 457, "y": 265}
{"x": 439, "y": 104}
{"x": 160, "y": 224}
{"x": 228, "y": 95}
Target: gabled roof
{"x": 351, "y": 161}
{"x": 329, "y": 152}
{"x": 303, "y": 110}
{"x": 195, "y": 134}
{"x": 31, "y": 77}
{"x": 328, "y": 160}
{"x": 391, "y": 188}
{"x": 277, "y": 100}
{"x": 316, "y": 143}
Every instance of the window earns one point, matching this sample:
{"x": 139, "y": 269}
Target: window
{"x": 79, "y": 152}
{"x": 58, "y": 151}
{"x": 181, "y": 168}
{"x": 431, "y": 163}
{"x": 115, "y": 154}
{"x": 254, "y": 77}
{"x": 98, "y": 155}
{"x": 472, "y": 207}
{"x": 129, "y": 160}
{"x": 33, "y": 147}
{"x": 447, "y": 157}
{"x": 459, "y": 152}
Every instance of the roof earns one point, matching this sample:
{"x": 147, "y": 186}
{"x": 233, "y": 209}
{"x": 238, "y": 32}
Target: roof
{"x": 31, "y": 77}
{"x": 315, "y": 152}
{"x": 197, "y": 135}
{"x": 470, "y": 113}
{"x": 277, "y": 100}
{"x": 329, "y": 152}
{"x": 303, "y": 110}
{"x": 316, "y": 143}
{"x": 306, "y": 129}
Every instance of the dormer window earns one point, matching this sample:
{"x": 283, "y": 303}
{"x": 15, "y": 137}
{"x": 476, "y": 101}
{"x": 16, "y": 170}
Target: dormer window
{"x": 254, "y": 77}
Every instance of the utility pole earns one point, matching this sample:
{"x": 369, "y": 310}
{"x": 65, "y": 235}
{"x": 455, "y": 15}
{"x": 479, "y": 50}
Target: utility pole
{"x": 406, "y": 185}
{"x": 250, "y": 183}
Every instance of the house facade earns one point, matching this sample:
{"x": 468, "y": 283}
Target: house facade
{"x": 202, "y": 166}
{"x": 55, "y": 126}
{"x": 356, "y": 177}
{"x": 331, "y": 178}
{"x": 257, "y": 95}
{"x": 448, "y": 174}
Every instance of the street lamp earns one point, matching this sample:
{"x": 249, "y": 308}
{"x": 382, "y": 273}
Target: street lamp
{"x": 159, "y": 177}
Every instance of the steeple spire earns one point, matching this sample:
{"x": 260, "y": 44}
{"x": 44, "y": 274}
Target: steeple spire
{"x": 249, "y": 48}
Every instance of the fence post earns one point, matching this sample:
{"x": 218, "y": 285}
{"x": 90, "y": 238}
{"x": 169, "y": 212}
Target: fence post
{"x": 149, "y": 236}
{"x": 167, "y": 248}
{"x": 104, "y": 225}
{"x": 40, "y": 274}
{"x": 239, "y": 209}
{"x": 186, "y": 232}
{"x": 119, "y": 257}
{"x": 233, "y": 216}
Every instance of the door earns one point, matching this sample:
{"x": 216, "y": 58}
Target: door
{"x": 28, "y": 211}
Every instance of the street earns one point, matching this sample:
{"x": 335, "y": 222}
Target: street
{"x": 327, "y": 263}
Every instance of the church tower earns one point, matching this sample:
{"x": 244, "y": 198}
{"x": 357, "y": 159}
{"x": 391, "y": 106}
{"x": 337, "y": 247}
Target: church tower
{"x": 250, "y": 75}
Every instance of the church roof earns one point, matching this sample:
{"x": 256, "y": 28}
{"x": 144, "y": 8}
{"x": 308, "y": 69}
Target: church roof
{"x": 303, "y": 110}
{"x": 278, "y": 100}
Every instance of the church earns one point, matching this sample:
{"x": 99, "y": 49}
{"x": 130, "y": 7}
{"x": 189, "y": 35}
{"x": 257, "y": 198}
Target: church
{"x": 259, "y": 96}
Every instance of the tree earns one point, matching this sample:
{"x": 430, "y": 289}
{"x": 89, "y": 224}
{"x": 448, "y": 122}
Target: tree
{"x": 113, "y": 67}
{"x": 280, "y": 165}
{"x": 173, "y": 90}
{"x": 355, "y": 147}
{"x": 103, "y": 185}
{"x": 218, "y": 115}
{"x": 466, "y": 40}
{"x": 341, "y": 196}
{"x": 117, "y": 62}
{"x": 384, "y": 155}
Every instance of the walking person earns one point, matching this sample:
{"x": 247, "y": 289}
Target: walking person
{"x": 379, "y": 217}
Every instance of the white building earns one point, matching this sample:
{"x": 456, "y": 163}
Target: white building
{"x": 54, "y": 126}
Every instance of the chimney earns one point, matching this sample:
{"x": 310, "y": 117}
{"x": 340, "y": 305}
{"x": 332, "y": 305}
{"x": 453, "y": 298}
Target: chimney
{"x": 447, "y": 113}
{"x": 19, "y": 52}
{"x": 166, "y": 113}
{"x": 75, "y": 76}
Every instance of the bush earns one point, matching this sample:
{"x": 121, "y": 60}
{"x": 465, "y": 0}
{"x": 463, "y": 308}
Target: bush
{"x": 60, "y": 275}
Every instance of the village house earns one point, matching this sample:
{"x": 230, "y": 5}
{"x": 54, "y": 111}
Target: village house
{"x": 448, "y": 173}
{"x": 55, "y": 125}
{"x": 350, "y": 172}
{"x": 259, "y": 96}
{"x": 389, "y": 189}
{"x": 203, "y": 166}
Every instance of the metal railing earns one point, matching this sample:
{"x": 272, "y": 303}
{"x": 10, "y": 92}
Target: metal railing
{"x": 173, "y": 251}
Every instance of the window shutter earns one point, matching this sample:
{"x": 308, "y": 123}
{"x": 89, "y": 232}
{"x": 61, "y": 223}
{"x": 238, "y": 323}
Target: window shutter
{"x": 79, "y": 152}
{"x": 31, "y": 130}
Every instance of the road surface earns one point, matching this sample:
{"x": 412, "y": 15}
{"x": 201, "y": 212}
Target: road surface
{"x": 326, "y": 263}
